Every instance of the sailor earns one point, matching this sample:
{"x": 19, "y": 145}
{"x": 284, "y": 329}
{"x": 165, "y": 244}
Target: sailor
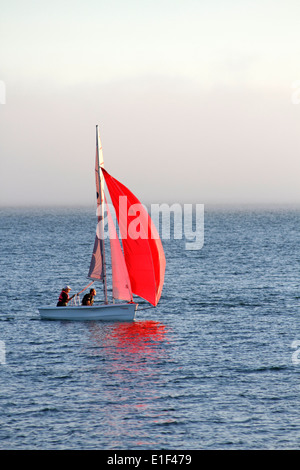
{"x": 88, "y": 299}
{"x": 64, "y": 297}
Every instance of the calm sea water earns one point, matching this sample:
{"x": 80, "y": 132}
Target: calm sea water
{"x": 214, "y": 366}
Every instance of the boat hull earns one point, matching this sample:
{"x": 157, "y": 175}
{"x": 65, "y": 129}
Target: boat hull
{"x": 110, "y": 312}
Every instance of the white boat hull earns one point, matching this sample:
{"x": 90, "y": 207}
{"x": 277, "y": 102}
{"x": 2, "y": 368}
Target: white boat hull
{"x": 110, "y": 312}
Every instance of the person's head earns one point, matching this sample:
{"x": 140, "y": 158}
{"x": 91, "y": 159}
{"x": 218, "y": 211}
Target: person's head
{"x": 93, "y": 292}
{"x": 67, "y": 288}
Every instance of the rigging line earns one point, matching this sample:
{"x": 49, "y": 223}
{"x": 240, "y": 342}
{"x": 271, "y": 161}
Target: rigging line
{"x": 85, "y": 287}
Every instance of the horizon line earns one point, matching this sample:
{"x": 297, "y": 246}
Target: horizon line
{"x": 215, "y": 205}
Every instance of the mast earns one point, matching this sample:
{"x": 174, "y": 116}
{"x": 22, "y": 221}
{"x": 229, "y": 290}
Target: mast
{"x": 100, "y": 208}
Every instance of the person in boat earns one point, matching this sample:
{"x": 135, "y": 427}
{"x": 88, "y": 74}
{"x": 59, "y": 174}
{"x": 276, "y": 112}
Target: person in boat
{"x": 64, "y": 297}
{"x": 88, "y": 299}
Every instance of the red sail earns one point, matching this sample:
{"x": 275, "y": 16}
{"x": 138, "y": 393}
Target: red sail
{"x": 120, "y": 278}
{"x": 142, "y": 246}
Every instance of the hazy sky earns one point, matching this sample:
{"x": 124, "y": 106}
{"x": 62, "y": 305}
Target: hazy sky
{"x": 194, "y": 99}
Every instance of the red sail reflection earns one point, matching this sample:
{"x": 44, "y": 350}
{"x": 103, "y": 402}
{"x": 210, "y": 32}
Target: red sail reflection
{"x": 126, "y": 343}
{"x": 138, "y": 336}
{"x": 127, "y": 375}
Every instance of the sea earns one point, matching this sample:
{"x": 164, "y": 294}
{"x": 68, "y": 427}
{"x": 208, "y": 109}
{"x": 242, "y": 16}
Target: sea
{"x": 215, "y": 366}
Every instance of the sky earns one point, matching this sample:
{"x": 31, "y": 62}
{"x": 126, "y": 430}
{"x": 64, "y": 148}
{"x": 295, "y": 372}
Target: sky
{"x": 196, "y": 101}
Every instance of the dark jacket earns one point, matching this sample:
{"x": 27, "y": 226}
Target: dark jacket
{"x": 88, "y": 298}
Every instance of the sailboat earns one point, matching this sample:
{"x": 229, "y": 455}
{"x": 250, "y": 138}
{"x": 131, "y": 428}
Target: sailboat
{"x": 136, "y": 269}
